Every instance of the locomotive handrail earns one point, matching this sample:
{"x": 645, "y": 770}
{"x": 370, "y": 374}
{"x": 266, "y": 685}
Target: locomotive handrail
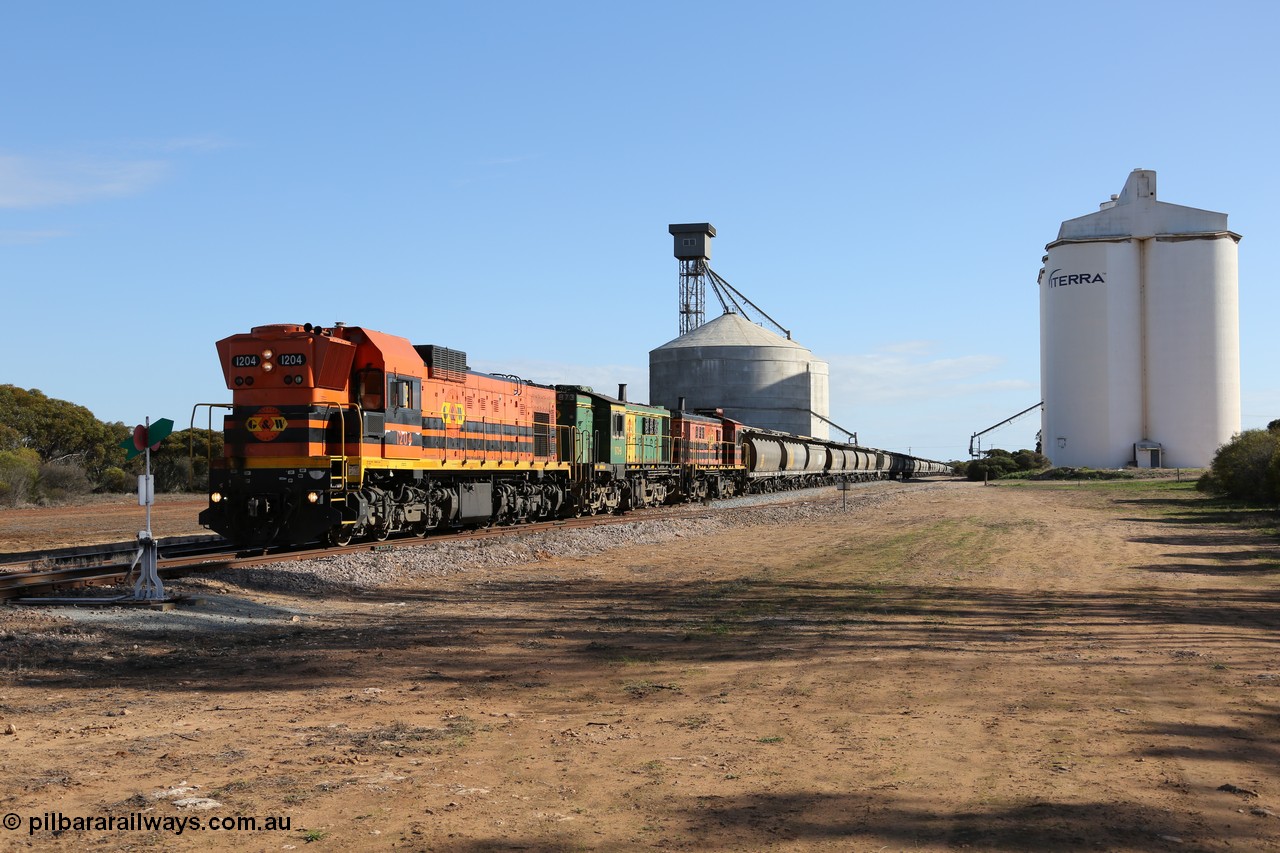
{"x": 579, "y": 452}
{"x": 341, "y": 480}
{"x": 647, "y": 449}
{"x": 191, "y": 437}
{"x": 564, "y": 443}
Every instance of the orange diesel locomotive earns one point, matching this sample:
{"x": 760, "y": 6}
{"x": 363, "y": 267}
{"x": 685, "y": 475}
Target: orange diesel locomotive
{"x": 344, "y": 432}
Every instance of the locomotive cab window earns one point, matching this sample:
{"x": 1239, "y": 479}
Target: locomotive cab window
{"x": 401, "y": 393}
{"x": 619, "y": 425}
{"x": 370, "y": 388}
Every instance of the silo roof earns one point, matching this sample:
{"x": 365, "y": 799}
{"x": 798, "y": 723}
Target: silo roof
{"x": 1136, "y": 212}
{"x": 692, "y": 228}
{"x": 730, "y": 330}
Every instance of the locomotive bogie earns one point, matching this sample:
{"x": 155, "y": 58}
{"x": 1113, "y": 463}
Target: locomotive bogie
{"x": 602, "y": 496}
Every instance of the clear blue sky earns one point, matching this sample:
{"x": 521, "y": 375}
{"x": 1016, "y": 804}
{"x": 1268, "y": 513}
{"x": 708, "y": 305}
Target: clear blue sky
{"x": 499, "y": 178}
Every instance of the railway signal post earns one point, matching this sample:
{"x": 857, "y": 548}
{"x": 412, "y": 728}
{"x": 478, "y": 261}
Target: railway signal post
{"x": 147, "y": 437}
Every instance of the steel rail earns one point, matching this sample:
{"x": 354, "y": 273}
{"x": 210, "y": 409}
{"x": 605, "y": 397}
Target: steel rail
{"x": 15, "y": 584}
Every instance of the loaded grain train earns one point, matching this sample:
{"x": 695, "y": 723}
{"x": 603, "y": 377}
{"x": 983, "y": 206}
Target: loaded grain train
{"x": 345, "y": 432}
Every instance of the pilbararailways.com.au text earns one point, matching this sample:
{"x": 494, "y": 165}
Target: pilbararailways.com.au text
{"x": 141, "y": 822}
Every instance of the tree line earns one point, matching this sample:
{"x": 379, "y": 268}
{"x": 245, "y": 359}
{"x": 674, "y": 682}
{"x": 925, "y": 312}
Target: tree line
{"x": 997, "y": 463}
{"x": 52, "y": 450}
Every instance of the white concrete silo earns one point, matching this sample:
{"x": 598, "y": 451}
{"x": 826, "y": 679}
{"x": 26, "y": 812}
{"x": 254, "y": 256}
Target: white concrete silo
{"x": 1139, "y": 334}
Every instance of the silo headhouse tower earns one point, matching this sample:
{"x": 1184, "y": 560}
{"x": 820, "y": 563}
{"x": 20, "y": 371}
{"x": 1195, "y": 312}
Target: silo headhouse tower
{"x": 730, "y": 363}
{"x": 1140, "y": 334}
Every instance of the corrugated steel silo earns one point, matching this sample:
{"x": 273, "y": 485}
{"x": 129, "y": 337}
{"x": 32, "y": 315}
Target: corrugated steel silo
{"x": 756, "y": 376}
{"x": 1139, "y": 334}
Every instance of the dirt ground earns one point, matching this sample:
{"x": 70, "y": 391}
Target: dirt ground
{"x": 1000, "y": 668}
{"x": 104, "y": 520}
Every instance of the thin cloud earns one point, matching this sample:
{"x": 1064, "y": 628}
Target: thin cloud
{"x": 911, "y": 347}
{"x": 28, "y": 238}
{"x": 29, "y": 182}
{"x": 905, "y": 371}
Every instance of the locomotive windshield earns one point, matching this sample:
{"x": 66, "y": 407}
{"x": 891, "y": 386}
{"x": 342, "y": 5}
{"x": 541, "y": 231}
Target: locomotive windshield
{"x": 370, "y": 389}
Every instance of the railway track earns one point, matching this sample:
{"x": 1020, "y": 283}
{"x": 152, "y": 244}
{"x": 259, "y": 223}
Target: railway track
{"x": 172, "y": 546}
{"x": 32, "y": 574}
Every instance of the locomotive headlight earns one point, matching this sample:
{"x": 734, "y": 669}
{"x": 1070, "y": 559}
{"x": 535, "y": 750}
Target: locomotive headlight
{"x": 313, "y": 497}
{"x": 216, "y": 497}
{"x": 268, "y": 366}
{"x": 266, "y": 354}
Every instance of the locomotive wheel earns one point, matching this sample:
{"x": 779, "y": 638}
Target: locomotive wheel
{"x": 340, "y": 535}
{"x": 381, "y": 534}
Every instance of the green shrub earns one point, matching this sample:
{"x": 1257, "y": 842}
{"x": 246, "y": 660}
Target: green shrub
{"x": 173, "y": 473}
{"x": 1068, "y": 473}
{"x": 114, "y": 479}
{"x": 1002, "y": 463}
{"x": 1030, "y": 460}
{"x": 1247, "y": 467}
{"x": 61, "y": 480}
{"x": 991, "y": 468}
{"x": 19, "y": 470}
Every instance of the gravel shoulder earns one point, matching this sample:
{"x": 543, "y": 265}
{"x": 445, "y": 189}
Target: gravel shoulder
{"x": 918, "y": 667}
